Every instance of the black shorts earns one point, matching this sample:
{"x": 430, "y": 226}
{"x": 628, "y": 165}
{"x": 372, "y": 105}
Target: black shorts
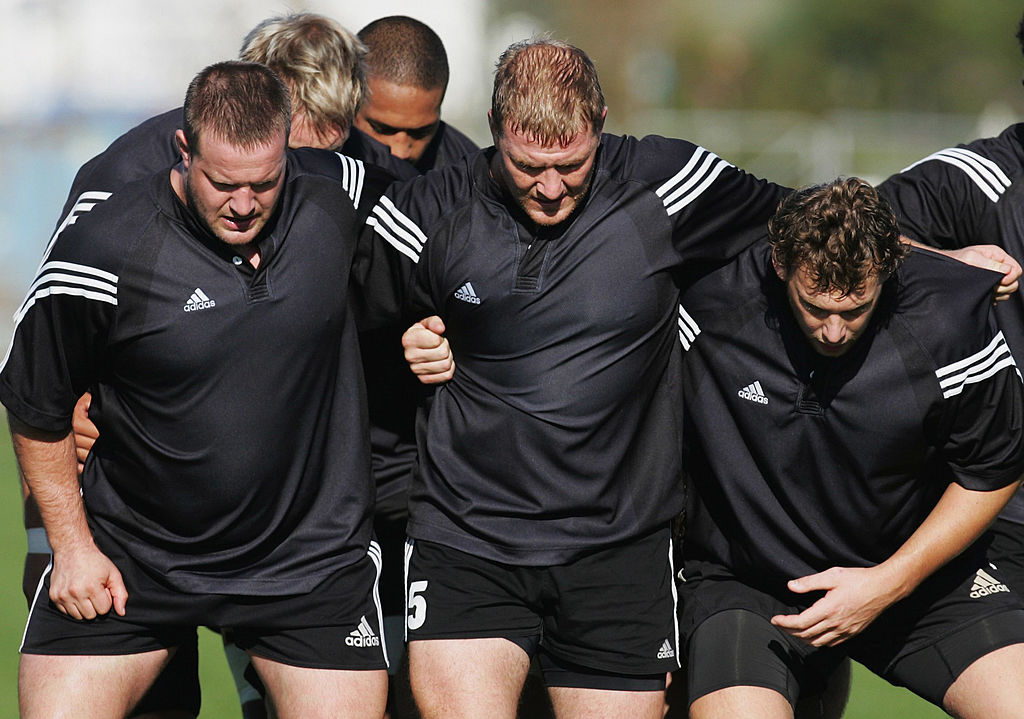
{"x": 961, "y": 613}
{"x": 390, "y": 535}
{"x": 1006, "y": 551}
{"x": 338, "y": 625}
{"x": 604, "y": 620}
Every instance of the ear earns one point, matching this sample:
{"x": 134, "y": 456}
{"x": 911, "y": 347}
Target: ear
{"x": 333, "y": 137}
{"x": 179, "y": 137}
{"x": 600, "y": 124}
{"x": 779, "y": 269}
{"x": 340, "y": 135}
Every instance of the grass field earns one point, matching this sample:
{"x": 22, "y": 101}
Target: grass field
{"x": 872, "y": 698}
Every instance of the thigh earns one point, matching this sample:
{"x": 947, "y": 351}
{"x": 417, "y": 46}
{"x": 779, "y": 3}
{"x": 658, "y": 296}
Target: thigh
{"x": 100, "y": 687}
{"x": 578, "y": 703}
{"x": 467, "y": 678}
{"x": 990, "y": 686}
{"x": 310, "y": 693}
{"x": 615, "y": 611}
{"x": 454, "y": 595}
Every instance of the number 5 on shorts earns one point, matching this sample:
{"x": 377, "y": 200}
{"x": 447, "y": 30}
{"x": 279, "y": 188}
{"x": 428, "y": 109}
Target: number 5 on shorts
{"x": 417, "y": 613}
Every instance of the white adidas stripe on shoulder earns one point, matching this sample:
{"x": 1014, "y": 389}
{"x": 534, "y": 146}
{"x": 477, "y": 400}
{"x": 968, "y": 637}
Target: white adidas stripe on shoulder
{"x": 976, "y": 368}
{"x": 695, "y": 177}
{"x": 985, "y": 173}
{"x": 398, "y": 230}
{"x": 67, "y": 278}
{"x": 353, "y": 175}
{"x": 688, "y": 329}
{"x": 85, "y": 202}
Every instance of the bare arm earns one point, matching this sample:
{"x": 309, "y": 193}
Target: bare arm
{"x": 38, "y": 556}
{"x": 855, "y": 596}
{"x": 84, "y": 582}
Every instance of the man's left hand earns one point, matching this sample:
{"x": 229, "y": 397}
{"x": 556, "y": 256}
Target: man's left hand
{"x": 995, "y": 258}
{"x": 854, "y": 597}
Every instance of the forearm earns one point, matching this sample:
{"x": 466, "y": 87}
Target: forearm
{"x": 50, "y": 473}
{"x": 958, "y": 519}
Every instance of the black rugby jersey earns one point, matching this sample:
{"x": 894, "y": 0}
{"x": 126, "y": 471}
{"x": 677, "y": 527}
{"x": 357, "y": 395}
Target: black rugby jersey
{"x": 392, "y": 389}
{"x": 560, "y": 431}
{"x": 968, "y": 195}
{"x": 234, "y": 453}
{"x": 138, "y": 153}
{"x": 447, "y": 146}
{"x": 800, "y": 462}
{"x": 363, "y": 147}
{"x": 393, "y": 392}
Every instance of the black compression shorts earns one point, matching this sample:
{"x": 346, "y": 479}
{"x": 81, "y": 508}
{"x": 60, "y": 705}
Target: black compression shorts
{"x": 924, "y": 642}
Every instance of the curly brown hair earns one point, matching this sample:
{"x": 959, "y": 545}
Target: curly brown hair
{"x": 840, "y": 233}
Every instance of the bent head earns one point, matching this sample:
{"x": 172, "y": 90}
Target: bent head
{"x": 407, "y": 69}
{"x": 834, "y": 246}
{"x": 233, "y": 149}
{"x": 322, "y": 64}
{"x": 547, "y": 113}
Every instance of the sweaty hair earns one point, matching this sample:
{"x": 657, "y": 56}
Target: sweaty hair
{"x": 546, "y": 90}
{"x": 319, "y": 60}
{"x": 840, "y": 233}
{"x": 404, "y": 51}
{"x": 242, "y": 103}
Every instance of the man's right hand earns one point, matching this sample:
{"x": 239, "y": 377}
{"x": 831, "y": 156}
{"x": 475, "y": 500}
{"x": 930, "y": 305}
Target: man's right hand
{"x": 86, "y": 433}
{"x": 427, "y": 351}
{"x": 84, "y": 584}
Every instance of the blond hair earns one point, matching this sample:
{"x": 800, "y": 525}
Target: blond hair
{"x": 319, "y": 60}
{"x": 546, "y": 90}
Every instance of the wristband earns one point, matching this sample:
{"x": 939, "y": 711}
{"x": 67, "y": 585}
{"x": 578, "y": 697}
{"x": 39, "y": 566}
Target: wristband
{"x": 37, "y": 541}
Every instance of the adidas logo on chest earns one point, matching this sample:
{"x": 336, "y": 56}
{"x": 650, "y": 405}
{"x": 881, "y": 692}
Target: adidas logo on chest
{"x": 198, "y": 301}
{"x": 466, "y": 294}
{"x": 753, "y": 393}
